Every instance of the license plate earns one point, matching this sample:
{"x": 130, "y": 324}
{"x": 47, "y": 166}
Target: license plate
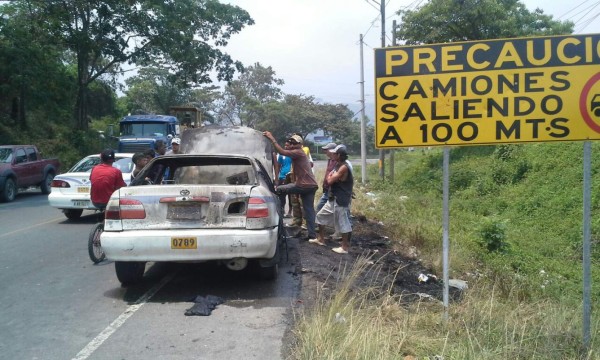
{"x": 184, "y": 212}
{"x": 83, "y": 189}
{"x": 184, "y": 243}
{"x": 82, "y": 203}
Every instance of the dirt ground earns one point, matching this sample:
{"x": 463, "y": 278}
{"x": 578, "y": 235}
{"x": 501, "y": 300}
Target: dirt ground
{"x": 397, "y": 271}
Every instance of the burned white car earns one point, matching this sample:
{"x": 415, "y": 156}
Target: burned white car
{"x": 214, "y": 201}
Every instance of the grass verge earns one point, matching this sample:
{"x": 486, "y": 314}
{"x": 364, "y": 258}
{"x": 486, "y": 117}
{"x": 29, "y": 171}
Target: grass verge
{"x": 515, "y": 233}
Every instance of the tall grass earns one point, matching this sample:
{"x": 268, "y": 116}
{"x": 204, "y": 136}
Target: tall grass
{"x": 515, "y": 235}
{"x": 373, "y": 325}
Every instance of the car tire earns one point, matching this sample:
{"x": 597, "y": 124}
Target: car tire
{"x": 10, "y": 191}
{"x": 73, "y": 214}
{"x": 45, "y": 186}
{"x": 269, "y": 272}
{"x": 129, "y": 272}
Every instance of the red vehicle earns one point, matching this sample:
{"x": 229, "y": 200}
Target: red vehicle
{"x": 21, "y": 167}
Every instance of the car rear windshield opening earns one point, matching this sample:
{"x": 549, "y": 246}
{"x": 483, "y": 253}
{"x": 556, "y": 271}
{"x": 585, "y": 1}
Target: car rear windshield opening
{"x": 229, "y": 171}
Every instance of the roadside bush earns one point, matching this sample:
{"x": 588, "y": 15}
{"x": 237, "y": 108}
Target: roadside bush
{"x": 493, "y": 235}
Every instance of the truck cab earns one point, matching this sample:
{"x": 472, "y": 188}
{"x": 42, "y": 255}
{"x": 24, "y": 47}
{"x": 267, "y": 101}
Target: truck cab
{"x": 140, "y": 132}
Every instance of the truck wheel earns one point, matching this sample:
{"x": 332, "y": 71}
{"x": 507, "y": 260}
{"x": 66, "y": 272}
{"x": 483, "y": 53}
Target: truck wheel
{"x": 45, "y": 185}
{"x": 129, "y": 272}
{"x": 73, "y": 214}
{"x": 9, "y": 192}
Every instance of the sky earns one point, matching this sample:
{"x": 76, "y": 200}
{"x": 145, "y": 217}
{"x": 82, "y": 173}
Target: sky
{"x": 313, "y": 45}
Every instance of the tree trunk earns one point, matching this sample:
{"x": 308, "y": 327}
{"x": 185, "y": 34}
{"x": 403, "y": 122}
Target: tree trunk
{"x": 21, "y": 116}
{"x": 81, "y": 107}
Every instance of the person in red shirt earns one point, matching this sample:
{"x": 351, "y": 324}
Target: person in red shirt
{"x": 105, "y": 179}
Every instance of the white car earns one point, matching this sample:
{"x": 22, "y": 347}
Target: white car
{"x": 213, "y": 201}
{"x": 70, "y": 192}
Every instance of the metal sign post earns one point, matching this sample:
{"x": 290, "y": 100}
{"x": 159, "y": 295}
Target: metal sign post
{"x": 446, "y": 230}
{"x": 587, "y": 282}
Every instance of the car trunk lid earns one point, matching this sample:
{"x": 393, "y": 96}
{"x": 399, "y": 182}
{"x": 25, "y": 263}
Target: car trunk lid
{"x": 175, "y": 207}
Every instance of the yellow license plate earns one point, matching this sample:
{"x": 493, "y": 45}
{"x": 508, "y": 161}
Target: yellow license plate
{"x": 184, "y": 242}
{"x": 83, "y": 189}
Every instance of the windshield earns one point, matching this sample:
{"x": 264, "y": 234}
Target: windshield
{"x": 85, "y": 165}
{"x": 144, "y": 129}
{"x": 6, "y": 155}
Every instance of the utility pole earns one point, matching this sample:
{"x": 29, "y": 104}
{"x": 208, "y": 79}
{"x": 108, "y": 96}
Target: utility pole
{"x": 363, "y": 126}
{"x": 381, "y": 152}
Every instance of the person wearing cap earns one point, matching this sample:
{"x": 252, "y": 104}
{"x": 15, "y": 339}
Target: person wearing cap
{"x": 305, "y": 182}
{"x": 295, "y": 200}
{"x": 105, "y": 179}
{"x": 335, "y": 212}
{"x": 283, "y": 168}
{"x": 174, "y": 146}
{"x": 330, "y": 165}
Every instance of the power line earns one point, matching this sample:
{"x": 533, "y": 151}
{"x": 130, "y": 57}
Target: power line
{"x": 591, "y": 8}
{"x": 583, "y": 12}
{"x": 589, "y": 21}
{"x": 573, "y": 9}
{"x": 372, "y": 24}
{"x": 376, "y": 8}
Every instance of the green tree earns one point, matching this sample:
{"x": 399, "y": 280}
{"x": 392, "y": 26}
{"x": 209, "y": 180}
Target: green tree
{"x": 244, "y": 98}
{"x": 154, "y": 91}
{"x": 206, "y": 99}
{"x": 441, "y": 21}
{"x": 32, "y": 73}
{"x": 183, "y": 36}
{"x": 300, "y": 113}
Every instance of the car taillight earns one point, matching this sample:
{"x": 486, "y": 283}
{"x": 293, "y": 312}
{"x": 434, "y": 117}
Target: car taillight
{"x": 257, "y": 208}
{"x": 124, "y": 209}
{"x": 59, "y": 184}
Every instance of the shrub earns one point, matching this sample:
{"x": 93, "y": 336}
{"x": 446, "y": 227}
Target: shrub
{"x": 493, "y": 236}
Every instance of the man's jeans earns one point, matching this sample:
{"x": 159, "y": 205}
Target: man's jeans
{"x": 308, "y": 203}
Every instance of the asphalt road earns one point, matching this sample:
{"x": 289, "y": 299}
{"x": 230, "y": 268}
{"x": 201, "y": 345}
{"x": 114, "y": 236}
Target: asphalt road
{"x": 55, "y": 304}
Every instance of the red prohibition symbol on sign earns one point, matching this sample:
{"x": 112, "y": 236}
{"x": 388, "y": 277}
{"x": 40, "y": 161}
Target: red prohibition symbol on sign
{"x": 594, "y": 104}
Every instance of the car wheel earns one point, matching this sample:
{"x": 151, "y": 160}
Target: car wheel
{"x": 10, "y": 191}
{"x": 45, "y": 185}
{"x": 129, "y": 272}
{"x": 269, "y": 272}
{"x": 73, "y": 213}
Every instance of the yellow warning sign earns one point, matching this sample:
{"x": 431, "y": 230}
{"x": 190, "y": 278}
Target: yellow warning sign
{"x": 498, "y": 91}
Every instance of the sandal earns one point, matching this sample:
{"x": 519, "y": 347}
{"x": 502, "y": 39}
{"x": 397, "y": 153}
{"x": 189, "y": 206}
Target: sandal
{"x": 315, "y": 241}
{"x": 340, "y": 250}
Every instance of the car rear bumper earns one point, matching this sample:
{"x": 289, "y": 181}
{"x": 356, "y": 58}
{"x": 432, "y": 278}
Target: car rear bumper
{"x": 212, "y": 244}
{"x": 61, "y": 201}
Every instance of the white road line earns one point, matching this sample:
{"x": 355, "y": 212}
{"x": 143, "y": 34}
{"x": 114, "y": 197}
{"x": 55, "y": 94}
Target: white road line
{"x": 30, "y": 227}
{"x": 93, "y": 345}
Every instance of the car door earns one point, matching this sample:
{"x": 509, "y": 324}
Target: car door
{"x": 21, "y": 167}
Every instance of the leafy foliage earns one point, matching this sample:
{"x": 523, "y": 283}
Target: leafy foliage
{"x": 32, "y": 74}
{"x": 183, "y": 37}
{"x": 493, "y": 236}
{"x": 154, "y": 90}
{"x": 244, "y": 98}
{"x": 524, "y": 226}
{"x": 441, "y": 21}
